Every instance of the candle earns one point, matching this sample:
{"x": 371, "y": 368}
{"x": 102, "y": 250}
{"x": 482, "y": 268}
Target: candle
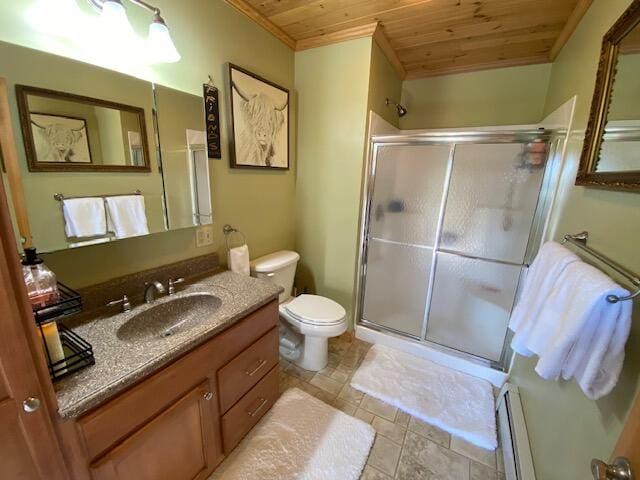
{"x": 51, "y": 337}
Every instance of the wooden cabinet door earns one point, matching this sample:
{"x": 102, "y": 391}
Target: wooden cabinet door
{"x": 29, "y": 447}
{"x": 182, "y": 443}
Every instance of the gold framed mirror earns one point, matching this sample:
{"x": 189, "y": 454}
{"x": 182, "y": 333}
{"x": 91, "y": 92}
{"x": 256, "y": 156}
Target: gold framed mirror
{"x": 611, "y": 153}
{"x": 67, "y": 132}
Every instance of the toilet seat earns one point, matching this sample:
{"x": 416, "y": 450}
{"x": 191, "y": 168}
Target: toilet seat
{"x": 315, "y": 310}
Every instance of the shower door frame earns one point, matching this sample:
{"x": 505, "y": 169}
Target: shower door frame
{"x": 537, "y": 231}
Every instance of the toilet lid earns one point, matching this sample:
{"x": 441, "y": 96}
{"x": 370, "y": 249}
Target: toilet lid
{"x": 316, "y": 310}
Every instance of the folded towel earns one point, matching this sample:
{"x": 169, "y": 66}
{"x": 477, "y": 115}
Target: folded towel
{"x": 126, "y": 216}
{"x": 84, "y": 217}
{"x": 539, "y": 283}
{"x": 238, "y": 260}
{"x": 578, "y": 333}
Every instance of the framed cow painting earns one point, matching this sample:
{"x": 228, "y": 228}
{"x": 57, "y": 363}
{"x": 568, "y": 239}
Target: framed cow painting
{"x": 51, "y": 131}
{"x": 259, "y": 136}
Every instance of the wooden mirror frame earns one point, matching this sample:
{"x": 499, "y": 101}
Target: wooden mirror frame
{"x": 600, "y": 104}
{"x": 22, "y": 94}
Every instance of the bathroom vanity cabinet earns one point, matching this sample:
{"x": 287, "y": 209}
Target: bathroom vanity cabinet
{"x": 179, "y": 422}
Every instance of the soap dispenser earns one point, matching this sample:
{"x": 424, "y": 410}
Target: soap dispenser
{"x": 42, "y": 286}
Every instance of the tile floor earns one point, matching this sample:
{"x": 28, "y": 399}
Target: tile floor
{"x": 405, "y": 447}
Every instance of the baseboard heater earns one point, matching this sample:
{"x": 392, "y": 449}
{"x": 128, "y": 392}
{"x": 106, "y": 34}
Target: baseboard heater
{"x": 512, "y": 429}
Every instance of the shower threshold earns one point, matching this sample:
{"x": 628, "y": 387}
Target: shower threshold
{"x": 433, "y": 352}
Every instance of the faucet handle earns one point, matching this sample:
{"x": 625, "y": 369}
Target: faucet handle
{"x": 173, "y": 283}
{"x": 126, "y": 306}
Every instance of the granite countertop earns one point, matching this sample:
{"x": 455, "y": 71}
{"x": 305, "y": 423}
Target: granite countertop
{"x": 120, "y": 363}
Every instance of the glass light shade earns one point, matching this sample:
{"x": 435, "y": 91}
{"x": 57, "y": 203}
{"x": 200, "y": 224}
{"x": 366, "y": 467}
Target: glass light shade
{"x": 114, "y": 18}
{"x": 161, "y": 47}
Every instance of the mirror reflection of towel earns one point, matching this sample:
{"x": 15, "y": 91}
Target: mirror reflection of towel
{"x": 84, "y": 217}
{"x": 238, "y": 260}
{"x": 126, "y": 216}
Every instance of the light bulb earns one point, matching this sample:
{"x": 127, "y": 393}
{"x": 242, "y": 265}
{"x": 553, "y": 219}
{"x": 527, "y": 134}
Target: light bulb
{"x": 159, "y": 42}
{"x": 114, "y": 18}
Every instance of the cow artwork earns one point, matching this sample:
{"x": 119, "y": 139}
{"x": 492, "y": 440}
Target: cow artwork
{"x": 59, "y": 139}
{"x": 260, "y": 121}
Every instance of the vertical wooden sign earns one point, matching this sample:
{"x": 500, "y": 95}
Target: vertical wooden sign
{"x": 212, "y": 121}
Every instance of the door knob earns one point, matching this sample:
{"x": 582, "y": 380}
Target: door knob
{"x": 620, "y": 469}
{"x": 31, "y": 404}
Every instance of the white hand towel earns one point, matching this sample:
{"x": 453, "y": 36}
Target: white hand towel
{"x": 539, "y": 283}
{"x": 126, "y": 216}
{"x": 578, "y": 334}
{"x": 84, "y": 217}
{"x": 238, "y": 260}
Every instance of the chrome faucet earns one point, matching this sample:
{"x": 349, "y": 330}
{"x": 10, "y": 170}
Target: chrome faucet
{"x": 149, "y": 295}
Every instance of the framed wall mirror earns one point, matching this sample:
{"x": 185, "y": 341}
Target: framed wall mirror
{"x": 611, "y": 153}
{"x": 116, "y": 133}
{"x": 68, "y": 132}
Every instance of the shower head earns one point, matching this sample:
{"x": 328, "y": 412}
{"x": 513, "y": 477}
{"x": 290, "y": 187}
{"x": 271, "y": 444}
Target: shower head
{"x": 399, "y": 108}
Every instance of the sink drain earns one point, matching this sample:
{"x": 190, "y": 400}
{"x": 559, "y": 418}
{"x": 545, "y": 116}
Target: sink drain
{"x": 166, "y": 333}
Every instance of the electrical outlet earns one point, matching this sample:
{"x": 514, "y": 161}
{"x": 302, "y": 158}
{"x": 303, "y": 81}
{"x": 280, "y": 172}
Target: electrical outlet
{"x": 204, "y": 236}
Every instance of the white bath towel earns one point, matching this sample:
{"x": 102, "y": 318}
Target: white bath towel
{"x": 578, "y": 333}
{"x": 84, "y": 217}
{"x": 541, "y": 279}
{"x": 126, "y": 216}
{"x": 238, "y": 260}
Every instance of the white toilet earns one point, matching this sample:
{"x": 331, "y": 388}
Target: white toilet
{"x": 307, "y": 321}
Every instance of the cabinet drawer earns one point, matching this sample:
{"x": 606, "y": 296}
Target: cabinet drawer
{"x": 243, "y": 372}
{"x": 249, "y": 409}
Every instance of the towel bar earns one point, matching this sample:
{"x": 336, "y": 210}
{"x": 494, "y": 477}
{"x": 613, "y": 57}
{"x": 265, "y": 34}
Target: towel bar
{"x": 60, "y": 197}
{"x": 580, "y": 241}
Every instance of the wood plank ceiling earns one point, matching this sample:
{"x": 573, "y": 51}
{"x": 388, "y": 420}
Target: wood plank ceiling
{"x": 428, "y": 37}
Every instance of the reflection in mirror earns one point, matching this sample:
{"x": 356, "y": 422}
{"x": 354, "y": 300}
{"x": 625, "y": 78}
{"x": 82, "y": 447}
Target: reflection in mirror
{"x": 84, "y": 136}
{"x": 63, "y": 131}
{"x": 185, "y": 166}
{"x": 620, "y": 149}
{"x": 84, "y": 147}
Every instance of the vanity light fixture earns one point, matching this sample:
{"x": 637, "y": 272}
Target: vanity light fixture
{"x": 159, "y": 43}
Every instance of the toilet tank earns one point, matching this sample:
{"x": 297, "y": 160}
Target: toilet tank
{"x": 278, "y": 267}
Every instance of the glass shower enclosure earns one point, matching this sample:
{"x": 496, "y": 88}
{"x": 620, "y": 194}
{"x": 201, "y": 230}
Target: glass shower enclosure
{"x": 449, "y": 224}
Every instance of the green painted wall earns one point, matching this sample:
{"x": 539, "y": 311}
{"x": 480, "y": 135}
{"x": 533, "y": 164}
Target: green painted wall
{"x": 207, "y": 34}
{"x": 332, "y": 83}
{"x": 566, "y": 429}
{"x": 505, "y": 96}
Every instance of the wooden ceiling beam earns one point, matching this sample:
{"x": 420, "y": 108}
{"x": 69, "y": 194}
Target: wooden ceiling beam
{"x": 574, "y": 19}
{"x": 244, "y": 7}
{"x": 383, "y": 42}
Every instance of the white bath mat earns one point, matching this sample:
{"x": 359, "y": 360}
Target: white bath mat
{"x": 301, "y": 438}
{"x": 453, "y": 401}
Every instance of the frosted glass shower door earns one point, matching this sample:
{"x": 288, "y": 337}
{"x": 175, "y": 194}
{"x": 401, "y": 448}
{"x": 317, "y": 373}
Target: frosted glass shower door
{"x": 489, "y": 213}
{"x": 408, "y": 185}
